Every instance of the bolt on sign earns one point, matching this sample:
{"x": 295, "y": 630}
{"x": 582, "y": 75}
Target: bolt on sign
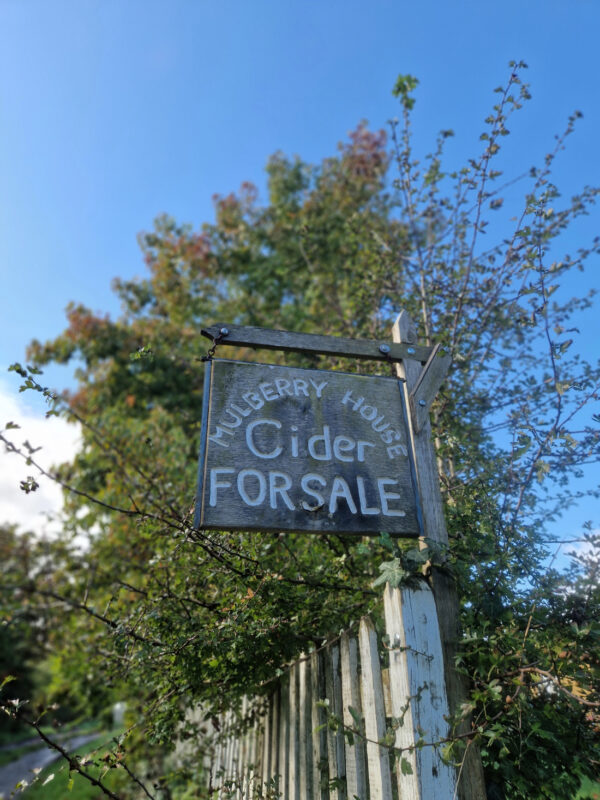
{"x": 304, "y": 450}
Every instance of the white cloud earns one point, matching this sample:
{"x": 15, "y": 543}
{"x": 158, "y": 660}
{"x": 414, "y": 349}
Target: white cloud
{"x": 58, "y": 440}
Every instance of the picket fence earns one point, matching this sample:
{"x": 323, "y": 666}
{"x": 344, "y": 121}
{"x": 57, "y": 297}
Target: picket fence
{"x": 294, "y": 744}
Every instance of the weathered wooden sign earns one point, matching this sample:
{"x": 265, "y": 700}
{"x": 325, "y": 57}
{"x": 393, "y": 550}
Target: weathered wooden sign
{"x": 304, "y": 450}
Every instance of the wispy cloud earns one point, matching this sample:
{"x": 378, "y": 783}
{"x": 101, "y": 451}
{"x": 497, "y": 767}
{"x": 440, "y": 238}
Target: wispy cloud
{"x": 58, "y": 440}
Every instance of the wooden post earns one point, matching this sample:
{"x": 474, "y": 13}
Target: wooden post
{"x": 418, "y": 694}
{"x": 472, "y": 784}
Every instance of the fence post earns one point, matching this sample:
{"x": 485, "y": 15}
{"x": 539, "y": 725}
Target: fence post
{"x": 418, "y": 693}
{"x": 472, "y": 784}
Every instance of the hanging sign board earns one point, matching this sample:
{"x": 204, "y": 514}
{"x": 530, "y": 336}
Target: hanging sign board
{"x": 304, "y": 450}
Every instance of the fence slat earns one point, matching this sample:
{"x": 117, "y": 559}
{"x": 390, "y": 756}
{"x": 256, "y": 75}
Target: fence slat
{"x": 242, "y": 751}
{"x": 284, "y": 737}
{"x": 335, "y": 739}
{"x": 284, "y": 741}
{"x": 265, "y": 765}
{"x": 355, "y": 754}
{"x": 275, "y": 736}
{"x": 304, "y": 732}
{"x": 318, "y": 719}
{"x": 216, "y": 764}
{"x": 417, "y": 677}
{"x": 380, "y": 783}
{"x": 294, "y": 746}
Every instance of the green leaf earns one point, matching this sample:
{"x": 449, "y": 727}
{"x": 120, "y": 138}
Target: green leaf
{"x": 404, "y": 85}
{"x": 8, "y": 679}
{"x": 405, "y": 766}
{"x": 356, "y": 716}
{"x": 392, "y": 572}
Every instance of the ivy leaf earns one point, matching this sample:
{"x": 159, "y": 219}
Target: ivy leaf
{"x": 406, "y": 766}
{"x": 392, "y": 572}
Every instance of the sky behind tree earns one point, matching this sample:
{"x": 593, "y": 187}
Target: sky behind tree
{"x": 112, "y": 112}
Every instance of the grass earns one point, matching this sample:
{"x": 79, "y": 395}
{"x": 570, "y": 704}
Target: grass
{"x": 56, "y": 783}
{"x": 589, "y": 790}
{"x": 27, "y": 741}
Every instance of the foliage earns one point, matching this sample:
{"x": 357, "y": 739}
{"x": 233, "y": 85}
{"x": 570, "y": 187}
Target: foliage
{"x": 56, "y": 781}
{"x": 169, "y": 616}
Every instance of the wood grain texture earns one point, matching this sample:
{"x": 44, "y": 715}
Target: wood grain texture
{"x": 274, "y": 770}
{"x": 284, "y": 737}
{"x": 294, "y": 747}
{"x": 318, "y": 720}
{"x": 335, "y": 738}
{"x": 427, "y": 386}
{"x": 355, "y": 754}
{"x": 472, "y": 784}
{"x": 305, "y": 772}
{"x": 287, "y": 341}
{"x": 267, "y": 722}
{"x": 418, "y": 692}
{"x": 304, "y": 450}
{"x": 378, "y": 763}
{"x": 256, "y": 736}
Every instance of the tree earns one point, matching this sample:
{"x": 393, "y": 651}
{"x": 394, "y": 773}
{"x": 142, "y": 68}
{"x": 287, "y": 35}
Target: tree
{"x": 173, "y": 615}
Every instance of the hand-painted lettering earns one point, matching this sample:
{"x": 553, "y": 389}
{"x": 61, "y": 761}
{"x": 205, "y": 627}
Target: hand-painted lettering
{"x": 216, "y": 484}
{"x": 365, "y": 510}
{"x": 341, "y": 445}
{"x": 397, "y": 450}
{"x": 300, "y": 387}
{"x": 319, "y": 386}
{"x": 284, "y": 387}
{"x": 384, "y": 496}
{"x": 323, "y": 441}
{"x": 243, "y": 492}
{"x": 277, "y": 451}
{"x": 218, "y": 434}
{"x": 339, "y": 490}
{"x": 279, "y": 484}
{"x": 267, "y": 391}
{"x": 312, "y": 477}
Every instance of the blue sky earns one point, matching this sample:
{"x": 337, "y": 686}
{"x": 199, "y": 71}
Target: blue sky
{"x": 113, "y": 111}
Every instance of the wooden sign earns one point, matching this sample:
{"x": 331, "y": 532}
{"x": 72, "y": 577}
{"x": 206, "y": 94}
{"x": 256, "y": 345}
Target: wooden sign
{"x": 304, "y": 450}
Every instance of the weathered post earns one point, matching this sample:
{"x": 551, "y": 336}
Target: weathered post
{"x": 419, "y": 393}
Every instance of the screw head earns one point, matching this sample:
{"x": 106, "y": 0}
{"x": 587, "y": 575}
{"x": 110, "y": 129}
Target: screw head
{"x": 410, "y": 350}
{"x": 224, "y": 331}
{"x": 422, "y": 403}
{"x": 384, "y": 348}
